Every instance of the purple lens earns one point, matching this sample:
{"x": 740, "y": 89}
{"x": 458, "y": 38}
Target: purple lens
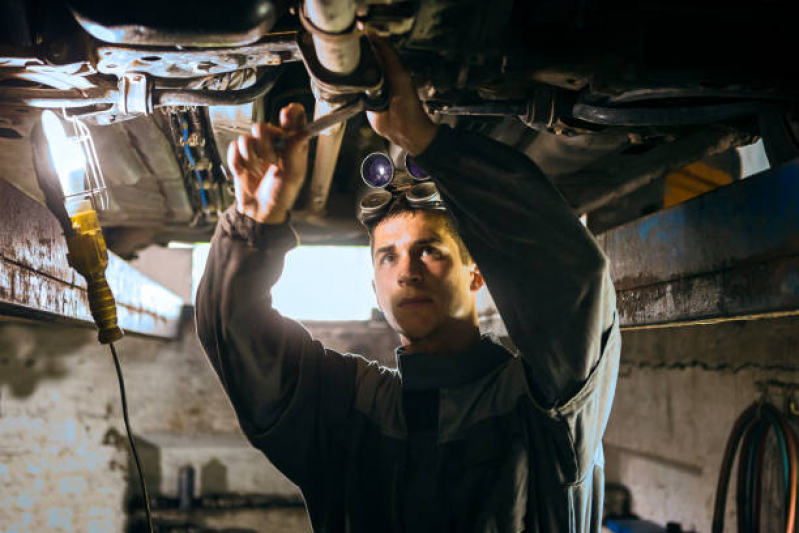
{"x": 377, "y": 170}
{"x": 415, "y": 170}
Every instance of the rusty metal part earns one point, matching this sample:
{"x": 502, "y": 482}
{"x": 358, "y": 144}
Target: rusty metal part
{"x": 136, "y": 95}
{"x": 203, "y": 97}
{"x": 540, "y": 111}
{"x": 730, "y": 254}
{"x": 132, "y": 27}
{"x": 483, "y": 109}
{"x": 330, "y": 134}
{"x": 367, "y": 78}
{"x": 669, "y": 116}
{"x": 55, "y": 79}
{"x": 37, "y": 283}
{"x": 55, "y": 98}
{"x": 228, "y": 122}
{"x": 167, "y": 62}
{"x": 589, "y": 190}
{"x": 135, "y": 92}
{"x": 335, "y": 36}
{"x": 562, "y": 155}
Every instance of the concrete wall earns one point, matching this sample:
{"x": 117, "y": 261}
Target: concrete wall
{"x": 678, "y": 396}
{"x": 64, "y": 460}
{"x": 63, "y": 453}
{"x": 64, "y": 463}
{"x": 171, "y": 267}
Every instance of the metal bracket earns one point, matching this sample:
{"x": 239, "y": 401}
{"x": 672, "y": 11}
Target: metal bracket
{"x": 135, "y": 94}
{"x": 366, "y": 79}
{"x": 790, "y": 391}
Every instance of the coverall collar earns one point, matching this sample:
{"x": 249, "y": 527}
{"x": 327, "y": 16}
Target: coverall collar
{"x": 421, "y": 371}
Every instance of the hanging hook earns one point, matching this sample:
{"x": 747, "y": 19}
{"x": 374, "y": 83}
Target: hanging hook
{"x": 791, "y": 405}
{"x": 791, "y": 402}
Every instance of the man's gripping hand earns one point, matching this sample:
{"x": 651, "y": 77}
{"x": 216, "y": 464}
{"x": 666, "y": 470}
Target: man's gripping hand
{"x": 405, "y": 123}
{"x": 267, "y": 181}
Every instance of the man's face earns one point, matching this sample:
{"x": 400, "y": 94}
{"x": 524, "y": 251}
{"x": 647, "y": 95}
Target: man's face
{"x": 421, "y": 282}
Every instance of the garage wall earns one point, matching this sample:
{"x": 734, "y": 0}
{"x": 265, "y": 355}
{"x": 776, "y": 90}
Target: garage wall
{"x": 64, "y": 461}
{"x": 64, "y": 464}
{"x": 679, "y": 393}
{"x": 63, "y": 451}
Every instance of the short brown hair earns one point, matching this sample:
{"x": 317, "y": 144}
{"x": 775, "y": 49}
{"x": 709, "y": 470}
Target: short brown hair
{"x": 400, "y": 207}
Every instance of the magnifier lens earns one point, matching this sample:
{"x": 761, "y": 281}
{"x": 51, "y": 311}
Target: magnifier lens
{"x": 423, "y": 193}
{"x": 374, "y": 203}
{"x": 377, "y": 170}
{"x": 415, "y": 170}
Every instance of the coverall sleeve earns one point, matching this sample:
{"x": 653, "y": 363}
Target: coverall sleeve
{"x": 286, "y": 388}
{"x": 546, "y": 273}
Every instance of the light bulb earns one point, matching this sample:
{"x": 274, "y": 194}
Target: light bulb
{"x": 68, "y": 160}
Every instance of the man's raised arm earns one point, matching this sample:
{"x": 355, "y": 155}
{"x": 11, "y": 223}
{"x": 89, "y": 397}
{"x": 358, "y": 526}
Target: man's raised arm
{"x": 546, "y": 273}
{"x": 271, "y": 368}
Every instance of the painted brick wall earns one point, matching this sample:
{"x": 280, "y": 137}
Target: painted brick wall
{"x": 63, "y": 453}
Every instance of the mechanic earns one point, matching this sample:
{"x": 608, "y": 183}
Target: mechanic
{"x": 464, "y": 436}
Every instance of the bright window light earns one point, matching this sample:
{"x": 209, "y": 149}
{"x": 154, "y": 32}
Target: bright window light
{"x": 318, "y": 282}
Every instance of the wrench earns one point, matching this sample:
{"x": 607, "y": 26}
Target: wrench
{"x": 345, "y": 112}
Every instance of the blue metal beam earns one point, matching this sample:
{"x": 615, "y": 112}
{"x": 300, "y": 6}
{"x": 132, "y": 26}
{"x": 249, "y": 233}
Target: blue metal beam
{"x": 732, "y": 253}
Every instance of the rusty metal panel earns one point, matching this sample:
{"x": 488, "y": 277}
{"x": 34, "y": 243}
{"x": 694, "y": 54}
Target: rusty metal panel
{"x": 732, "y": 253}
{"x": 36, "y": 282}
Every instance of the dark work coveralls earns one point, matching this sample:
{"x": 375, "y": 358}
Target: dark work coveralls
{"x": 480, "y": 441}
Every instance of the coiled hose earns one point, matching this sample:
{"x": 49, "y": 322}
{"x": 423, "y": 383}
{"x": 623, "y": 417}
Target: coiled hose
{"x": 752, "y": 428}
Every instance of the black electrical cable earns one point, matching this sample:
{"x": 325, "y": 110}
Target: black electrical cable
{"x": 758, "y": 479}
{"x": 742, "y": 425}
{"x": 142, "y": 483}
{"x": 753, "y": 479}
{"x": 743, "y": 493}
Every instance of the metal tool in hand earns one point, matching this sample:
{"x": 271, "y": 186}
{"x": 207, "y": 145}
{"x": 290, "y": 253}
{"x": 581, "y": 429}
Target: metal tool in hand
{"x": 343, "y": 113}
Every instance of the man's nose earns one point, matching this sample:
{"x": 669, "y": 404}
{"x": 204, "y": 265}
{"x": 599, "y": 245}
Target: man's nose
{"x": 410, "y": 271}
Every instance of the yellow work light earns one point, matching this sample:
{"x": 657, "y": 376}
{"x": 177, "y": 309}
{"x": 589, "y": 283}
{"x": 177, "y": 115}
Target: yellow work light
{"x": 71, "y": 156}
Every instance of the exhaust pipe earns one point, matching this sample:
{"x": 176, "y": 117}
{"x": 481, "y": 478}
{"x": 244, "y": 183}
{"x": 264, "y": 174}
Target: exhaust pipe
{"x": 331, "y": 23}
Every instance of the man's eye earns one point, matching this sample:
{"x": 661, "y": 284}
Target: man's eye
{"x": 430, "y": 251}
{"x": 387, "y": 258}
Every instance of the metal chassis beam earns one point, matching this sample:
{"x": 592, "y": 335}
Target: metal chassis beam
{"x": 36, "y": 283}
{"x": 730, "y": 254}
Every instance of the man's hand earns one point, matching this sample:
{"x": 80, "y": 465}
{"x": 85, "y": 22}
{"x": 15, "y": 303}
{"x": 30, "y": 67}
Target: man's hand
{"x": 405, "y": 123}
{"x": 267, "y": 182}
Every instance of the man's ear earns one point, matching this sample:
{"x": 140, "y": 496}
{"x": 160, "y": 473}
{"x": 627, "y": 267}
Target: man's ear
{"x": 477, "y": 278}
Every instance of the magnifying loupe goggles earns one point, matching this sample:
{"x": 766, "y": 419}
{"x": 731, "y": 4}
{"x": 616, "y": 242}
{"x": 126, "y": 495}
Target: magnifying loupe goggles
{"x": 378, "y": 172}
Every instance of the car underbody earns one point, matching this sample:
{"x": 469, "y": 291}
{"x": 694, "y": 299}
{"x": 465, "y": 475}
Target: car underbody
{"x": 608, "y": 98}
